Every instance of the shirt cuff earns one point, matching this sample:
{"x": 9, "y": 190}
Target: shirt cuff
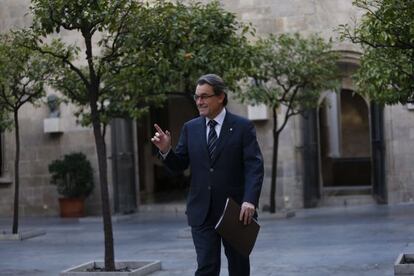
{"x": 164, "y": 155}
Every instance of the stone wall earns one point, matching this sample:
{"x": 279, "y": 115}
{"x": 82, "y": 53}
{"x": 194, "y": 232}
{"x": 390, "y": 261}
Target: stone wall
{"x": 279, "y": 16}
{"x": 13, "y": 14}
{"x": 399, "y": 141}
{"x": 38, "y": 149}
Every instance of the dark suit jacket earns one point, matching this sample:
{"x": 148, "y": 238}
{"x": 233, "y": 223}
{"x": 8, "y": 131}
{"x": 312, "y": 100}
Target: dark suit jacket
{"x": 236, "y": 170}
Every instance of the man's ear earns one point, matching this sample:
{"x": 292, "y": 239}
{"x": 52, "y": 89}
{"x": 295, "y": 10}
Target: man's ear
{"x": 221, "y": 97}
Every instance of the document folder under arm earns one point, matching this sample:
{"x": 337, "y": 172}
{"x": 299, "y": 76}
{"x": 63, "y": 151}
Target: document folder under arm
{"x": 231, "y": 229}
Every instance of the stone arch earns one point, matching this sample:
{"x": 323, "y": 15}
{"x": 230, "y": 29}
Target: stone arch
{"x": 344, "y": 137}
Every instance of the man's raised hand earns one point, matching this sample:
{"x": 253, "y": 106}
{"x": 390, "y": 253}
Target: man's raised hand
{"x": 161, "y": 139}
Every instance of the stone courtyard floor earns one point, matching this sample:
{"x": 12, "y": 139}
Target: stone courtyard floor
{"x": 363, "y": 240}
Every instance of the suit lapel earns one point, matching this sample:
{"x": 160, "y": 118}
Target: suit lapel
{"x": 225, "y": 133}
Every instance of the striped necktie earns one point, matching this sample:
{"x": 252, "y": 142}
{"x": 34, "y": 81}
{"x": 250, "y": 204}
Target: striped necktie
{"x": 212, "y": 138}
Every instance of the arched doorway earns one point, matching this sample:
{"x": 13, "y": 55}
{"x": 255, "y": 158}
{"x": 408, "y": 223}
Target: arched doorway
{"x": 344, "y": 143}
{"x": 343, "y": 146}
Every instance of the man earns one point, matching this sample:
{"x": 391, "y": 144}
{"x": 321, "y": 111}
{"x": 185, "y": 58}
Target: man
{"x": 225, "y": 160}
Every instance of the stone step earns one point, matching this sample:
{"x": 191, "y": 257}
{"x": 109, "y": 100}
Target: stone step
{"x": 163, "y": 207}
{"x": 347, "y": 200}
{"x": 347, "y": 190}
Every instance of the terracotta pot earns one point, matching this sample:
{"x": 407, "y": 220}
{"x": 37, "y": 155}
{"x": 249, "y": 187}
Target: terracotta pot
{"x": 72, "y": 207}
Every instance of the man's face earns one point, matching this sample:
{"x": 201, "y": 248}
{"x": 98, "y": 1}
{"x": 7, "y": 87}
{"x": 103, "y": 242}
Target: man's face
{"x": 208, "y": 104}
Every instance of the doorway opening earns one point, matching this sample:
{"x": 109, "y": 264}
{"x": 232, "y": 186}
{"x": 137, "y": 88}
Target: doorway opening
{"x": 345, "y": 144}
{"x": 157, "y": 184}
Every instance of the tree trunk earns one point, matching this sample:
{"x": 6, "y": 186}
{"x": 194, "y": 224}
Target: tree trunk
{"x": 16, "y": 175}
{"x": 274, "y": 163}
{"x": 103, "y": 178}
{"x": 101, "y": 152}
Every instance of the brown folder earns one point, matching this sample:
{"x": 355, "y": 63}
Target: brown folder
{"x": 241, "y": 237}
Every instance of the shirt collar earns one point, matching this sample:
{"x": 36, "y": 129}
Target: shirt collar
{"x": 219, "y": 118}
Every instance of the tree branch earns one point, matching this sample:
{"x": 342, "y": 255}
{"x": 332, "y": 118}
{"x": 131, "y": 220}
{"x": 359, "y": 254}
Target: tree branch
{"x": 5, "y": 98}
{"x": 280, "y": 83}
{"x": 289, "y": 108}
{"x": 64, "y": 59}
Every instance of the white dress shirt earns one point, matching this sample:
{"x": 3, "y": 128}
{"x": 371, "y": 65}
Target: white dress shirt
{"x": 219, "y": 120}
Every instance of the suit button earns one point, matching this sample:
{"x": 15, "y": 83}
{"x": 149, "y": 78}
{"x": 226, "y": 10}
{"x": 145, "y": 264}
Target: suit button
{"x": 209, "y": 187}
{"x": 211, "y": 170}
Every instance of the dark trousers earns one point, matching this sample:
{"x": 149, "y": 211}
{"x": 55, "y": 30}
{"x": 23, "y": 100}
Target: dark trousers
{"x": 207, "y": 244}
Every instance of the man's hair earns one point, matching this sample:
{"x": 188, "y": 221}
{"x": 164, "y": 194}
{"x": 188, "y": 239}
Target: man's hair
{"x": 216, "y": 82}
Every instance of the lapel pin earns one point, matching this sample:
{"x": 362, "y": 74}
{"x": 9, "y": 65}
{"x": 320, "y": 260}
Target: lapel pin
{"x": 231, "y": 129}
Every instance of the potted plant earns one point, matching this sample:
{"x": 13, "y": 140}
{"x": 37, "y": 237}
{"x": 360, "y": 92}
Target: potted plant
{"x": 73, "y": 177}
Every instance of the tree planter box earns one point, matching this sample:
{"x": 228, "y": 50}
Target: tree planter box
{"x": 404, "y": 265}
{"x": 136, "y": 268}
{"x": 21, "y": 235}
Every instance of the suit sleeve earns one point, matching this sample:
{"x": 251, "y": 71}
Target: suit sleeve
{"x": 253, "y": 166}
{"x": 177, "y": 160}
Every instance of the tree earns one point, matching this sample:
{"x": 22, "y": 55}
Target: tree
{"x": 385, "y": 32}
{"x": 135, "y": 53}
{"x": 292, "y": 72}
{"x": 193, "y": 39}
{"x": 23, "y": 74}
{"x": 98, "y": 86}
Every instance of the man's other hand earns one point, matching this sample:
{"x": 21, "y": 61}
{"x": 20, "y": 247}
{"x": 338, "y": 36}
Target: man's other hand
{"x": 247, "y": 212}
